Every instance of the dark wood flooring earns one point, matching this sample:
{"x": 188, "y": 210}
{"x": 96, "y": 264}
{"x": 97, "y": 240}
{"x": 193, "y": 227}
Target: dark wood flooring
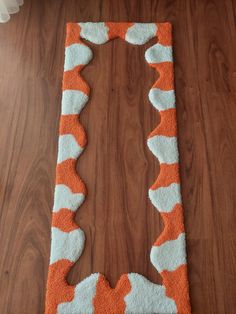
{"x": 117, "y": 167}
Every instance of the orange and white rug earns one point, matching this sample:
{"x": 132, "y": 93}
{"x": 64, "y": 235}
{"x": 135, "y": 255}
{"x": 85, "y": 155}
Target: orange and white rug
{"x": 133, "y": 292}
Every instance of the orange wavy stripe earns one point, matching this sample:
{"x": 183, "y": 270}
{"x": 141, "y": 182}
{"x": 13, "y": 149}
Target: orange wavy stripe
{"x": 72, "y": 34}
{"x": 108, "y": 300}
{"x": 177, "y": 288}
{"x": 66, "y": 174}
{"x": 173, "y": 222}
{"x": 69, "y": 124}
{"x": 64, "y": 220}
{"x": 167, "y": 126}
{"x": 164, "y": 34}
{"x": 73, "y": 81}
{"x": 166, "y": 79}
{"x": 169, "y": 173}
{"x": 117, "y": 30}
{"x": 58, "y": 291}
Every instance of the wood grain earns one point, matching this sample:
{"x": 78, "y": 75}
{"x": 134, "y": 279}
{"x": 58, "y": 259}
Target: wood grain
{"x": 119, "y": 221}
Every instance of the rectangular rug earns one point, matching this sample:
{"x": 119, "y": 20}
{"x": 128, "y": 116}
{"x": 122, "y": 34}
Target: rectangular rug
{"x": 133, "y": 292}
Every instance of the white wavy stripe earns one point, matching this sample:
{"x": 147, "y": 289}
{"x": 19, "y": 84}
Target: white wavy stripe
{"x": 162, "y": 100}
{"x": 65, "y": 198}
{"x": 164, "y": 148}
{"x": 68, "y": 148}
{"x": 170, "y": 255}
{"x": 83, "y": 298}
{"x": 66, "y": 245}
{"x": 140, "y": 33}
{"x": 146, "y": 297}
{"x": 159, "y": 53}
{"x": 165, "y": 198}
{"x": 73, "y": 101}
{"x": 96, "y": 33}
{"x": 77, "y": 54}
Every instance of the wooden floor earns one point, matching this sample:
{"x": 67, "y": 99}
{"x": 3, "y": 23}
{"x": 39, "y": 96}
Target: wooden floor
{"x": 117, "y": 217}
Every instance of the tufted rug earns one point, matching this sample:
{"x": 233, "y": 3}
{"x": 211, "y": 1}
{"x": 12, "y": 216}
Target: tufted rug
{"x": 133, "y": 292}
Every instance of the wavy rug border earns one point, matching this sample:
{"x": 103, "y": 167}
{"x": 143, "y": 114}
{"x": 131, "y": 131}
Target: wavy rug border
{"x": 133, "y": 292}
